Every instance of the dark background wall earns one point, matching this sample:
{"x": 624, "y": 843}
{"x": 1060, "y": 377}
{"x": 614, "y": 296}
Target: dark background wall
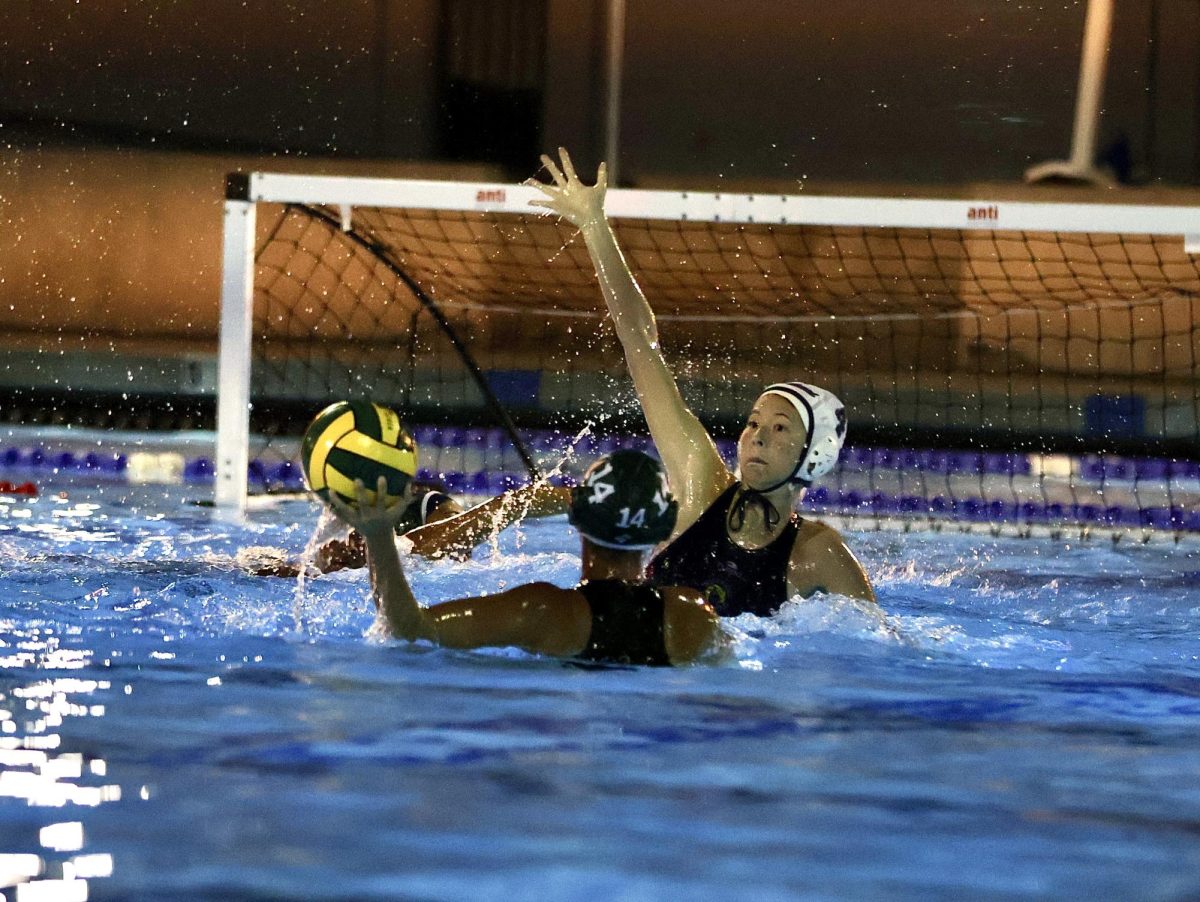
{"x": 923, "y": 90}
{"x": 918, "y": 91}
{"x": 351, "y": 77}
{"x": 119, "y": 118}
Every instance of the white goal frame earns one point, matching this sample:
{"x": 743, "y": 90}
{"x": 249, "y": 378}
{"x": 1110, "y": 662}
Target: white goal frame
{"x": 244, "y": 192}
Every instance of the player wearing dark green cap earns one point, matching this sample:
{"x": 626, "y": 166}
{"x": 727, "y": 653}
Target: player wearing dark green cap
{"x": 622, "y": 508}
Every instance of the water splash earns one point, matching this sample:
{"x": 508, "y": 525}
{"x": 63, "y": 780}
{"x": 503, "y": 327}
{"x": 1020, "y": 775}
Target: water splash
{"x": 328, "y": 527}
{"x": 557, "y": 469}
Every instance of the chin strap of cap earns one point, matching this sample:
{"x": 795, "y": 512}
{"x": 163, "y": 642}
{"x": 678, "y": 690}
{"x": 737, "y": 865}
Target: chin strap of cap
{"x": 748, "y": 496}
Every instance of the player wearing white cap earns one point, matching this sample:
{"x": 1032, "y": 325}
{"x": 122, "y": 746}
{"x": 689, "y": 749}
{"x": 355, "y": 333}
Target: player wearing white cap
{"x": 738, "y": 538}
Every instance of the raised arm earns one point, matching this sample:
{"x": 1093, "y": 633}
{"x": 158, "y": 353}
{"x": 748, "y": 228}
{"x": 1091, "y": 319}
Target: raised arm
{"x": 538, "y": 617}
{"x": 394, "y": 600}
{"x": 694, "y": 467}
{"x": 459, "y": 534}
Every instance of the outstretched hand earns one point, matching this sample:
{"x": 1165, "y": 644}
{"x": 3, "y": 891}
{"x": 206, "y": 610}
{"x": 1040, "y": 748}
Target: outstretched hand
{"x": 368, "y": 517}
{"x": 579, "y": 204}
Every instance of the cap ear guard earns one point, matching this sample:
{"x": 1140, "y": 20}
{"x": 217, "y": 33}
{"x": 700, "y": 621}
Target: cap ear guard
{"x": 624, "y": 502}
{"x": 824, "y": 419}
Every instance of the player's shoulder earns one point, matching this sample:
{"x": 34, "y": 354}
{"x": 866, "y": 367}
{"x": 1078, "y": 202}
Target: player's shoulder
{"x": 817, "y": 533}
{"x": 815, "y": 543}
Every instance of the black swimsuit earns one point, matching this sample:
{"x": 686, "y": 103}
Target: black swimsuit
{"x": 734, "y": 580}
{"x": 627, "y": 623}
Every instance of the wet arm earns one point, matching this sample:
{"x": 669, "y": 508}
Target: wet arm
{"x": 459, "y": 534}
{"x": 375, "y": 521}
{"x": 394, "y": 599}
{"x": 824, "y": 563}
{"x": 694, "y": 467}
{"x": 538, "y": 617}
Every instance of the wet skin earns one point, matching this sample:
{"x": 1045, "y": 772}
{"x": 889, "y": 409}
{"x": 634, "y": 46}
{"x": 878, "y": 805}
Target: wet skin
{"x": 770, "y": 444}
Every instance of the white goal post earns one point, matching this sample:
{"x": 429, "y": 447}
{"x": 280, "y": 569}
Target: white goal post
{"x": 343, "y": 194}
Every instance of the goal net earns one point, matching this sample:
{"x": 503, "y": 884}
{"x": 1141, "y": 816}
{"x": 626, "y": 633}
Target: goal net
{"x": 1031, "y": 364}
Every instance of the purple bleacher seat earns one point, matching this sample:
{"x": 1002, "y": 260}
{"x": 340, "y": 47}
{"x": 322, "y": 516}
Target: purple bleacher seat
{"x": 1032, "y": 512}
{"x": 933, "y": 461}
{"x": 287, "y": 472}
{"x": 1092, "y": 467}
{"x": 963, "y": 462}
{"x": 1155, "y": 517}
{"x": 971, "y": 508}
{"x": 256, "y": 472}
{"x": 539, "y": 440}
{"x": 1130, "y": 516}
{"x": 198, "y": 468}
{"x": 997, "y": 463}
{"x": 855, "y": 458}
{"x": 1150, "y": 468}
{"x": 998, "y": 511}
{"x": 499, "y": 482}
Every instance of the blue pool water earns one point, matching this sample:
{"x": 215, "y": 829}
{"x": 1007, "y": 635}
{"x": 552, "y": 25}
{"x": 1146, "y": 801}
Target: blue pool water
{"x": 1024, "y": 723}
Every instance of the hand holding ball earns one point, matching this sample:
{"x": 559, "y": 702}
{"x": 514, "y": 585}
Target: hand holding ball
{"x": 358, "y": 440}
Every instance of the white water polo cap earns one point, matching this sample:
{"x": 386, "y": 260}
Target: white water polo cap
{"x": 824, "y": 419}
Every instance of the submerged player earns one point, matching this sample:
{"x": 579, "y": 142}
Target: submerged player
{"x": 738, "y": 538}
{"x": 622, "y": 508}
{"x": 425, "y": 504}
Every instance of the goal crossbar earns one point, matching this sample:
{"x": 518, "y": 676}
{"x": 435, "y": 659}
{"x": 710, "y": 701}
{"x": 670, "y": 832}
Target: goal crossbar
{"x": 984, "y": 214}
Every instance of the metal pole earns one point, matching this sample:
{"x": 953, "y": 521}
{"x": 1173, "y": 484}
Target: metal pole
{"x": 1096, "y": 32}
{"x": 1081, "y": 166}
{"x": 615, "y": 66}
{"x": 233, "y": 366}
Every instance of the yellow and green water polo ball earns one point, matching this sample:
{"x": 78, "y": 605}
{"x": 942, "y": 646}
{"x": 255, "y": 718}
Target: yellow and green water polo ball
{"x": 353, "y": 440}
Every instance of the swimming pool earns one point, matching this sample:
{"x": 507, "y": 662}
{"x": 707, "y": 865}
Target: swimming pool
{"x": 1023, "y": 724}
